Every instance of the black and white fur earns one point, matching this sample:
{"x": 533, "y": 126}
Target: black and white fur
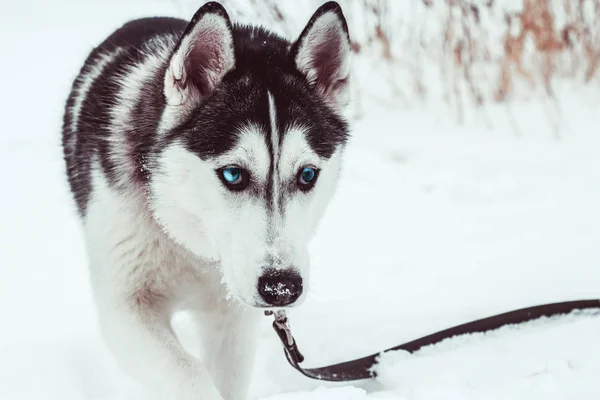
{"x": 158, "y": 109}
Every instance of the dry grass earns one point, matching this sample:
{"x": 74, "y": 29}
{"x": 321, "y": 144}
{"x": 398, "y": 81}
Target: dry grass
{"x": 536, "y": 22}
{"x": 535, "y": 48}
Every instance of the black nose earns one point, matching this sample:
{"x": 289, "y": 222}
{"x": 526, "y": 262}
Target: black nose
{"x": 280, "y": 287}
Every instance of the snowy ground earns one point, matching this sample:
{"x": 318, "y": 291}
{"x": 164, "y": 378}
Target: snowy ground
{"x": 433, "y": 225}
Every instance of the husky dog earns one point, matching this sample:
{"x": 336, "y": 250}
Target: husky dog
{"x": 201, "y": 156}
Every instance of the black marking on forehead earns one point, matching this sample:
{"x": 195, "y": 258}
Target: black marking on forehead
{"x": 263, "y": 64}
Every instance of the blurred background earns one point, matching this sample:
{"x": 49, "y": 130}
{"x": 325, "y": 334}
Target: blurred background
{"x": 471, "y": 186}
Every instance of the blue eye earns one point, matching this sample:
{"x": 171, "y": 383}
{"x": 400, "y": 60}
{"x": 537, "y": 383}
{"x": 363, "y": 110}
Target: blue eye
{"x": 234, "y": 178}
{"x": 308, "y": 174}
{"x": 232, "y": 174}
{"x": 307, "y": 177}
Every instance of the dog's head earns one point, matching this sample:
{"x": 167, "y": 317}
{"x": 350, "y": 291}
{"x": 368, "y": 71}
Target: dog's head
{"x": 252, "y": 137}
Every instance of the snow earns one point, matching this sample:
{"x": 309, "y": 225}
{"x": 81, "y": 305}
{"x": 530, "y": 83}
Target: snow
{"x": 533, "y": 361}
{"x": 433, "y": 225}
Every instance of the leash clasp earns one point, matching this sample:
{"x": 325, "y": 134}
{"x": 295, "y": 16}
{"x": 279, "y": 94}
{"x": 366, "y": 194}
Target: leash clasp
{"x": 282, "y": 328}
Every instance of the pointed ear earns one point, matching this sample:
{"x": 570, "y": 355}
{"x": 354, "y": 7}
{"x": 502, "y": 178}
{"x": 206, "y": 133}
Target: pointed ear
{"x": 322, "y": 53}
{"x": 204, "y": 54}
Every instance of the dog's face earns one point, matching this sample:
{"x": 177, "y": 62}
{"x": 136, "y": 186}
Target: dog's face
{"x": 252, "y": 144}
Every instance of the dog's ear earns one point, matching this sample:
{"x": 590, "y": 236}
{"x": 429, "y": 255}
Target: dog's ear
{"x": 204, "y": 54}
{"x": 322, "y": 53}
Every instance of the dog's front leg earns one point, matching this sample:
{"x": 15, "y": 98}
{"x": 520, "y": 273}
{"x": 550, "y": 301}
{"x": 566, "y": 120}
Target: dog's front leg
{"x": 137, "y": 329}
{"x": 230, "y": 337}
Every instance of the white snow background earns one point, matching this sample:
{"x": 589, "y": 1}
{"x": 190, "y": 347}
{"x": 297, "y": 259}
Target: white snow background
{"x": 434, "y": 224}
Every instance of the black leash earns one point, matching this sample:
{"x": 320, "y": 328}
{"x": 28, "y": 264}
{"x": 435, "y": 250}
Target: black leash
{"x": 362, "y": 368}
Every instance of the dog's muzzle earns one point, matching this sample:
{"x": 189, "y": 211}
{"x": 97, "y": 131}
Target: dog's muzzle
{"x": 280, "y": 287}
